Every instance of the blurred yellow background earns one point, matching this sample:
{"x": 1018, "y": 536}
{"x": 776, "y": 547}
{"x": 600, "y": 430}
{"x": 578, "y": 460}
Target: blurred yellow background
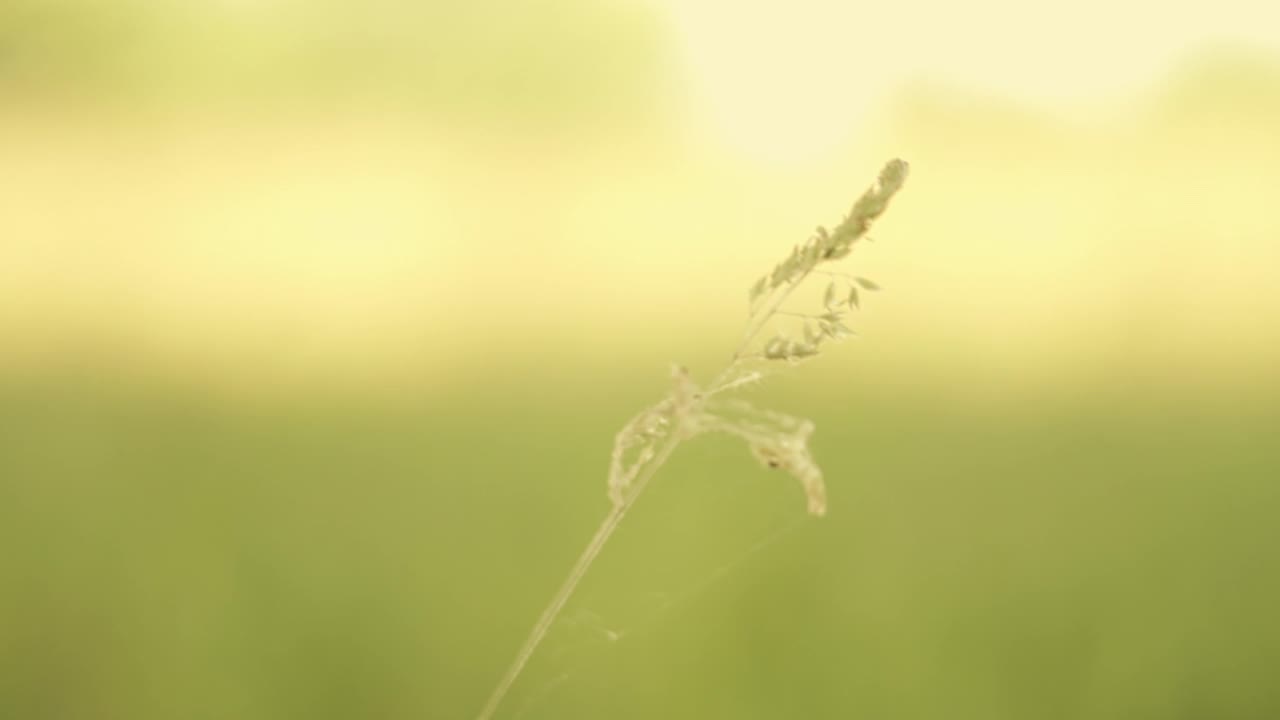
{"x": 186, "y": 180}
{"x": 316, "y": 320}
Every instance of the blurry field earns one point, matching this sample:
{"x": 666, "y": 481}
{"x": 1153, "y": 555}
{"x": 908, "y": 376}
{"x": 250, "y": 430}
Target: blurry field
{"x": 317, "y": 321}
{"x": 1102, "y": 555}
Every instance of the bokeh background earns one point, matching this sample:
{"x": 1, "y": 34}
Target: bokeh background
{"x": 317, "y": 320}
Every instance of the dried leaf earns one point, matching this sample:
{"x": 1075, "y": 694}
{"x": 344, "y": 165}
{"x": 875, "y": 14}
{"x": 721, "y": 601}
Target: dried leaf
{"x": 866, "y": 284}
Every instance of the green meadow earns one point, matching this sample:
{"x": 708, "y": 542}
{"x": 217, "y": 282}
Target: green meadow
{"x": 1102, "y": 553}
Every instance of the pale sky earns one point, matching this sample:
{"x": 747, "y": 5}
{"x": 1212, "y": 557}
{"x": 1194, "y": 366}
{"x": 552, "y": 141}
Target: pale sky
{"x": 362, "y": 237}
{"x": 793, "y": 78}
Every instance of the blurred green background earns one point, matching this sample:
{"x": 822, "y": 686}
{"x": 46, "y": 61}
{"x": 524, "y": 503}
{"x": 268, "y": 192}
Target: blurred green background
{"x": 317, "y": 321}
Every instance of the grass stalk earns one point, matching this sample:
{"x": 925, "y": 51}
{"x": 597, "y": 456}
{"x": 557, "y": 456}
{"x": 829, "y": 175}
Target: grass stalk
{"x": 778, "y": 441}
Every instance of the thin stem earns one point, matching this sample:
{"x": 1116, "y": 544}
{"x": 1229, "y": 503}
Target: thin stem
{"x": 753, "y": 377}
{"x": 754, "y": 326}
{"x": 670, "y": 602}
{"x": 570, "y": 584}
